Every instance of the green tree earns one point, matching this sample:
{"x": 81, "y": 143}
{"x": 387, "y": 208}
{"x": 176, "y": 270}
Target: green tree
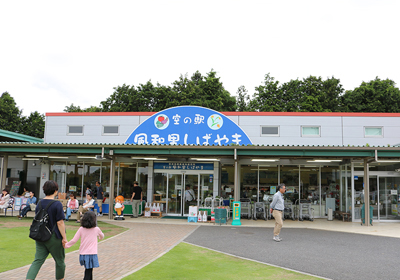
{"x": 267, "y": 97}
{"x": 10, "y": 114}
{"x": 73, "y": 108}
{"x": 373, "y": 96}
{"x": 33, "y": 125}
{"x": 242, "y": 100}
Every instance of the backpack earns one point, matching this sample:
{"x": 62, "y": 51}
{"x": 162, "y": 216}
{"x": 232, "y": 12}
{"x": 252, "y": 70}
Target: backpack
{"x": 40, "y": 230}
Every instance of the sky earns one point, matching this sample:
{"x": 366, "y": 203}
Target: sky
{"x": 55, "y": 53}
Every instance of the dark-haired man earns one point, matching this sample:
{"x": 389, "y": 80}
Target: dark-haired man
{"x": 277, "y": 207}
{"x": 99, "y": 196}
{"x": 137, "y": 197}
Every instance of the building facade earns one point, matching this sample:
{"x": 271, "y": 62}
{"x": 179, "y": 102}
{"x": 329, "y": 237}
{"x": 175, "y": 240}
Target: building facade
{"x": 323, "y": 158}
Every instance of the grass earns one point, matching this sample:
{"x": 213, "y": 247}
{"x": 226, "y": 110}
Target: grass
{"x": 17, "y": 249}
{"x": 187, "y": 261}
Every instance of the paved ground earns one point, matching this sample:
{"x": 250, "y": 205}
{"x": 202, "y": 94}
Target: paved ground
{"x": 334, "y": 255}
{"x": 336, "y": 250}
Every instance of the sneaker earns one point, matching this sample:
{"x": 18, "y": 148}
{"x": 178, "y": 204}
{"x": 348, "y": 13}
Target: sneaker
{"x": 277, "y": 239}
{"x": 99, "y": 214}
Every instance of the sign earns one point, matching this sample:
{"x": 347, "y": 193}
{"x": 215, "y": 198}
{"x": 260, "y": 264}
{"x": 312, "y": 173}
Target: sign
{"x": 188, "y": 125}
{"x": 236, "y": 213}
{"x": 272, "y": 190}
{"x": 211, "y": 178}
{"x": 183, "y": 166}
{"x": 393, "y": 192}
{"x": 355, "y": 177}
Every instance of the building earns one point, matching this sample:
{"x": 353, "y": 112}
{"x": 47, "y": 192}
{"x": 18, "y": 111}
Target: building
{"x": 322, "y": 158}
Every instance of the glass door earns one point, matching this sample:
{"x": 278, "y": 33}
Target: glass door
{"x": 359, "y": 198}
{"x": 190, "y": 198}
{"x": 174, "y": 190}
{"x": 389, "y": 198}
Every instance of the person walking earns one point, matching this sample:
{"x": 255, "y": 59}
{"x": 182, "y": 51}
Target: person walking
{"x": 55, "y": 245}
{"x": 99, "y": 196}
{"x": 89, "y": 232}
{"x": 31, "y": 200}
{"x": 136, "y": 199}
{"x": 277, "y": 207}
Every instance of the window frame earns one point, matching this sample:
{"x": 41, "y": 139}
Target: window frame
{"x": 303, "y": 126}
{"x": 105, "y": 133}
{"x": 373, "y": 136}
{"x": 73, "y": 133}
{"x": 270, "y": 135}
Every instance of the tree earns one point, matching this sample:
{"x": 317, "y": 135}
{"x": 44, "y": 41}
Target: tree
{"x": 267, "y": 97}
{"x": 10, "y": 114}
{"x": 312, "y": 94}
{"x": 197, "y": 91}
{"x": 242, "y": 100}
{"x": 374, "y": 96}
{"x": 73, "y": 108}
{"x": 33, "y": 125}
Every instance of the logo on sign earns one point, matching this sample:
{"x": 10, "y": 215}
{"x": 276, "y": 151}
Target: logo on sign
{"x": 161, "y": 121}
{"x": 215, "y": 122}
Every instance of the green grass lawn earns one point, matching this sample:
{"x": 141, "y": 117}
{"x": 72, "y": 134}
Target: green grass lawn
{"x": 187, "y": 261}
{"x": 17, "y": 249}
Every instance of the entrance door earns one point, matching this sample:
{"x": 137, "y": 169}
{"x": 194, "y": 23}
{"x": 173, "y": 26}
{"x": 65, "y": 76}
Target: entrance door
{"x": 389, "y": 198}
{"x": 184, "y": 190}
{"x": 359, "y": 198}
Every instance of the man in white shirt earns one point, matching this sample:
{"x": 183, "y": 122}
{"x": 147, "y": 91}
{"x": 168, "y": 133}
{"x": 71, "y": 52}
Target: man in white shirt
{"x": 277, "y": 208}
{"x": 89, "y": 203}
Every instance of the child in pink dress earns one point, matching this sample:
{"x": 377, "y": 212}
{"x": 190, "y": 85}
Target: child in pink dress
{"x": 88, "y": 232}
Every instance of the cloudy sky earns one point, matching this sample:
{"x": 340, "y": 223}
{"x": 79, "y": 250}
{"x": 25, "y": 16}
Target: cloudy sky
{"x": 54, "y": 53}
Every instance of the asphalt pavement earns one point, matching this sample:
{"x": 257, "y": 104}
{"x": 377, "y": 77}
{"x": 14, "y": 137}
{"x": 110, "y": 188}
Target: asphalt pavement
{"x": 329, "y": 254}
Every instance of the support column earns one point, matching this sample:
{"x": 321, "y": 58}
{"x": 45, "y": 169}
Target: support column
{"x": 216, "y": 184}
{"x": 4, "y": 172}
{"x": 236, "y": 195}
{"x": 366, "y": 192}
{"x": 150, "y": 181}
{"x": 112, "y": 181}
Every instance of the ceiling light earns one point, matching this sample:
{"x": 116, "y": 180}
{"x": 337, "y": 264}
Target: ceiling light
{"x": 30, "y": 158}
{"x": 36, "y": 156}
{"x": 205, "y": 159}
{"x": 155, "y": 159}
{"x": 56, "y": 157}
{"x": 324, "y": 160}
{"x": 92, "y": 157}
{"x": 264, "y": 159}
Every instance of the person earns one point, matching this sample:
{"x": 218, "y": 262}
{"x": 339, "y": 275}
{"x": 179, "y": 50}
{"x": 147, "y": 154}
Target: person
{"x": 89, "y": 232}
{"x": 189, "y": 195}
{"x": 5, "y": 197}
{"x": 99, "y": 196}
{"x": 137, "y": 197}
{"x": 277, "y": 208}
{"x": 31, "y": 200}
{"x": 89, "y": 203}
{"x": 25, "y": 193}
{"x": 72, "y": 205}
{"x": 55, "y": 245}
{"x": 88, "y": 190}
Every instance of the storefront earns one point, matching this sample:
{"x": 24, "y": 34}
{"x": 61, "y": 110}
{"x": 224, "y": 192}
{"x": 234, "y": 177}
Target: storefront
{"x": 181, "y": 156}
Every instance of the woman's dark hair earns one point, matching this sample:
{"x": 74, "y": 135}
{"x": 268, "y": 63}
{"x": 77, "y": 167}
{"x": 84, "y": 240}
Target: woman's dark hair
{"x": 50, "y": 187}
{"x": 89, "y": 220}
{"x": 90, "y": 194}
{"x": 5, "y": 190}
{"x": 73, "y": 194}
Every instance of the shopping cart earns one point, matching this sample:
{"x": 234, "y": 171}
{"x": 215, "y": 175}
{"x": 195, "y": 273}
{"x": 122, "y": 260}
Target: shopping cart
{"x": 305, "y": 211}
{"x": 246, "y": 207}
{"x": 288, "y": 212}
{"x": 259, "y": 210}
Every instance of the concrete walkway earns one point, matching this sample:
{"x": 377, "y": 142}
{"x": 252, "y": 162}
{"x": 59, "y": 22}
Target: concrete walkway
{"x": 148, "y": 239}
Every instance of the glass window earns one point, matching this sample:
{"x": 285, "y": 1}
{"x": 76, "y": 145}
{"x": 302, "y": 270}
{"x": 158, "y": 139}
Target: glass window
{"x": 330, "y": 188}
{"x": 310, "y": 131}
{"x": 269, "y": 130}
{"x": 373, "y": 131}
{"x": 111, "y": 130}
{"x": 75, "y": 130}
{"x": 227, "y": 181}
